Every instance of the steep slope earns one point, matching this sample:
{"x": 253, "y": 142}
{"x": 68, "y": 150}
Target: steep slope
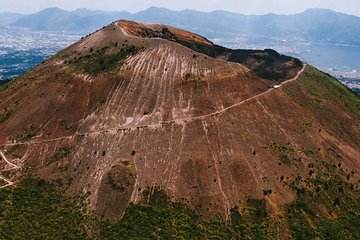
{"x": 133, "y": 107}
{"x": 267, "y": 64}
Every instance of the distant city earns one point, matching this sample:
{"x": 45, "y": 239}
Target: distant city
{"x": 21, "y": 50}
{"x": 342, "y": 61}
{"x": 27, "y": 40}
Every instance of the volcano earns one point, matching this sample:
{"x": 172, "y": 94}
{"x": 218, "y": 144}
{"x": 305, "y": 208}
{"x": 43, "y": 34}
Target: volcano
{"x": 138, "y": 106}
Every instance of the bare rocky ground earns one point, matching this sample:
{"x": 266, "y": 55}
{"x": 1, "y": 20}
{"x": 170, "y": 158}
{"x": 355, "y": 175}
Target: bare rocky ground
{"x": 211, "y": 127}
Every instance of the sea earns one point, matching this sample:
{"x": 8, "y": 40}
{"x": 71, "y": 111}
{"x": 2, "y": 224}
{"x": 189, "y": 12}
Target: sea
{"x": 22, "y": 49}
{"x": 339, "y": 60}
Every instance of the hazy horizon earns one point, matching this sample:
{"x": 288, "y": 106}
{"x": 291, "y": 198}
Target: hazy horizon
{"x": 238, "y": 6}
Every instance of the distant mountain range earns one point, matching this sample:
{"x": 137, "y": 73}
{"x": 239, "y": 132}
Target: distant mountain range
{"x": 140, "y": 131}
{"x": 316, "y": 25}
{"x": 7, "y": 18}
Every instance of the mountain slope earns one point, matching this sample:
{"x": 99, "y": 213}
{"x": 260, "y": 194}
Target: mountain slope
{"x": 133, "y": 107}
{"x": 48, "y": 19}
{"x": 55, "y": 19}
{"x": 317, "y": 25}
{"x": 7, "y": 18}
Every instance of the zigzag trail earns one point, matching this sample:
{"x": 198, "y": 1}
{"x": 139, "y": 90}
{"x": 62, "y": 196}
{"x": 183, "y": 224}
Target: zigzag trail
{"x": 14, "y": 166}
{"x": 176, "y": 121}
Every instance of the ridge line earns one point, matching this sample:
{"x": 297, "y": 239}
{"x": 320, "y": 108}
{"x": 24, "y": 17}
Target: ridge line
{"x": 180, "y": 120}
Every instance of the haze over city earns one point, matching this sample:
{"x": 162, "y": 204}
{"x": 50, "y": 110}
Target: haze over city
{"x": 240, "y": 6}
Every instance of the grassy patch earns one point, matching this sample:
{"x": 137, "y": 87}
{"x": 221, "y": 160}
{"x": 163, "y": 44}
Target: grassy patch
{"x": 35, "y": 209}
{"x": 326, "y": 207}
{"x": 323, "y": 97}
{"x": 323, "y": 89}
{"x": 188, "y": 76}
{"x": 5, "y": 84}
{"x": 29, "y": 134}
{"x": 308, "y": 216}
{"x": 13, "y": 148}
{"x": 61, "y": 153}
{"x": 289, "y": 154}
{"x": 15, "y": 151}
{"x": 6, "y": 115}
{"x": 282, "y": 148}
{"x": 102, "y": 60}
{"x": 157, "y": 217}
{"x": 38, "y": 210}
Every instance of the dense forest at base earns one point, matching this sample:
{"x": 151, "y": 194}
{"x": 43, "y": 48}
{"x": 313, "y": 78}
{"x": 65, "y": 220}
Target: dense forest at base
{"x": 35, "y": 209}
{"x": 327, "y": 204}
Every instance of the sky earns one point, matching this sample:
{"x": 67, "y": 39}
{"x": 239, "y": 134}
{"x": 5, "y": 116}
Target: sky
{"x": 240, "y": 6}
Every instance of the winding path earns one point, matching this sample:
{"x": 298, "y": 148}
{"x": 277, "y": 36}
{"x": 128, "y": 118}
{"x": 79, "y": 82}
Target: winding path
{"x": 13, "y": 167}
{"x": 179, "y": 120}
{"x": 123, "y": 31}
{"x": 7, "y": 161}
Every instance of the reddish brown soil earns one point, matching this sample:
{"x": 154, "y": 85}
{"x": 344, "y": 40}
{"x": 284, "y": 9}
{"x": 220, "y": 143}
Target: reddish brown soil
{"x": 159, "y": 120}
{"x": 144, "y": 30}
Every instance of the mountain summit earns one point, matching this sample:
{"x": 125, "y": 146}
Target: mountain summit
{"x": 135, "y": 107}
{"x": 313, "y": 25}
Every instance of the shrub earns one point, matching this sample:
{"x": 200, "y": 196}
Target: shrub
{"x": 102, "y": 61}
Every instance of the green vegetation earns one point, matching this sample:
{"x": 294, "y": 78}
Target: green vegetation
{"x": 39, "y": 210}
{"x": 62, "y": 152}
{"x": 282, "y": 148}
{"x": 324, "y": 90}
{"x": 157, "y": 217}
{"x": 291, "y": 154}
{"x": 285, "y": 159}
{"x": 6, "y": 115}
{"x": 344, "y": 227}
{"x": 29, "y": 134}
{"x": 13, "y": 149}
{"x": 5, "y": 85}
{"x": 287, "y": 153}
{"x": 102, "y": 60}
{"x": 326, "y": 208}
{"x": 326, "y": 98}
{"x": 267, "y": 192}
{"x": 187, "y": 76}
